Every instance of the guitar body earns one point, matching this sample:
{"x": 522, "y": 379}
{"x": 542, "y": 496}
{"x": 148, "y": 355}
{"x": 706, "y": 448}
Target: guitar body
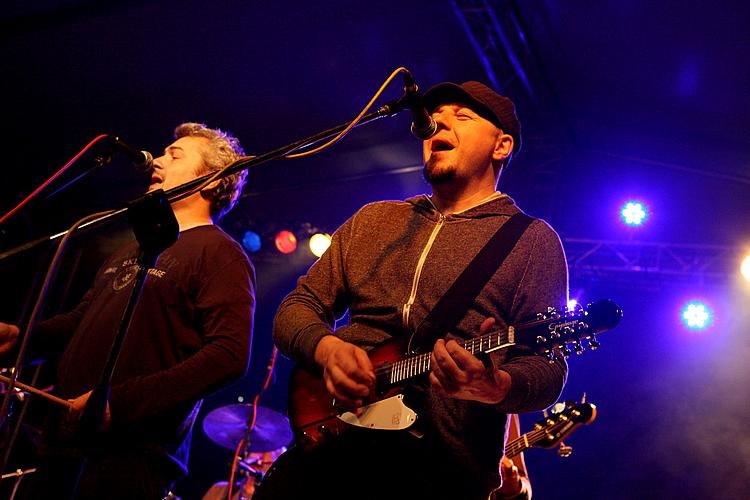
{"x": 314, "y": 416}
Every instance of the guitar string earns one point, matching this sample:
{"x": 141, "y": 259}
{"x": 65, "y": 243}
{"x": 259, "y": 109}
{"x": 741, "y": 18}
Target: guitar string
{"x": 517, "y": 445}
{"x": 416, "y": 365}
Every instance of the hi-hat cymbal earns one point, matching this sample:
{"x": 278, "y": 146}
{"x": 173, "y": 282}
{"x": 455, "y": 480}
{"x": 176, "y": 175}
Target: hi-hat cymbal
{"x": 227, "y": 425}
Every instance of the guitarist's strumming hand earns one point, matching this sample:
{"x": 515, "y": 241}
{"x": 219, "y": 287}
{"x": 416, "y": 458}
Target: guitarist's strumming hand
{"x": 459, "y": 374}
{"x": 347, "y": 371}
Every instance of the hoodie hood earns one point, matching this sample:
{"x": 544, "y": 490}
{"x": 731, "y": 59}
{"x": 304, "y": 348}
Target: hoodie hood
{"x": 501, "y": 205}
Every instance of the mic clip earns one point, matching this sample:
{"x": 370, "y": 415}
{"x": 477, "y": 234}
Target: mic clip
{"x": 423, "y": 126}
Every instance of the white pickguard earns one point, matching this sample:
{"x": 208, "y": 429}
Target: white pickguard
{"x": 387, "y": 414}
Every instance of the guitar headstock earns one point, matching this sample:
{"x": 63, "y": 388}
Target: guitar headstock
{"x": 550, "y": 432}
{"x": 553, "y": 333}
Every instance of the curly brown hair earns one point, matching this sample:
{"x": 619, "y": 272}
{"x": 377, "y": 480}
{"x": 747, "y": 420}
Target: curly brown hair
{"x": 222, "y": 150}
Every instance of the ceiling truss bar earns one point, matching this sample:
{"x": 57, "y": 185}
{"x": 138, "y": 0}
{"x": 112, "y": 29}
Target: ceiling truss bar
{"x": 654, "y": 264}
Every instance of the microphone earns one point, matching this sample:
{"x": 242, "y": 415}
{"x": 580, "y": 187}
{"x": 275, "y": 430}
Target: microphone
{"x": 142, "y": 160}
{"x": 423, "y": 126}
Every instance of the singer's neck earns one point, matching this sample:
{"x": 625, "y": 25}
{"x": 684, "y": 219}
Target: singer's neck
{"x": 192, "y": 211}
{"x": 452, "y": 198}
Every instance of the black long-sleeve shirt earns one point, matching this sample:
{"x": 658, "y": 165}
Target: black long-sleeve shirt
{"x": 190, "y": 335}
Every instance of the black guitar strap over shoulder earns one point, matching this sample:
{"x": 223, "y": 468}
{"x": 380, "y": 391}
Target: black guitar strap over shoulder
{"x": 453, "y": 305}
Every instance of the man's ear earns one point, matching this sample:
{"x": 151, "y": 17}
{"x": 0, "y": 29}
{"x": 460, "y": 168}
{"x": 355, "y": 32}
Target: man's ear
{"x": 503, "y": 147}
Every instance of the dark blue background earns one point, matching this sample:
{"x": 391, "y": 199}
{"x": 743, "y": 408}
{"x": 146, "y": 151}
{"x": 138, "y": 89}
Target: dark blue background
{"x": 651, "y": 101}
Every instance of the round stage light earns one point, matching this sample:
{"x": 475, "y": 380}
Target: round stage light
{"x": 634, "y": 213}
{"x": 696, "y": 315}
{"x": 251, "y": 241}
{"x": 745, "y": 268}
{"x": 285, "y": 242}
{"x": 319, "y": 243}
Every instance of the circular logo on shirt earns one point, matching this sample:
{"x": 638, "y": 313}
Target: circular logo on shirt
{"x": 124, "y": 277}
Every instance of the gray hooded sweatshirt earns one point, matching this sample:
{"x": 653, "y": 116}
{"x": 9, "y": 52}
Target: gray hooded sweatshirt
{"x": 389, "y": 264}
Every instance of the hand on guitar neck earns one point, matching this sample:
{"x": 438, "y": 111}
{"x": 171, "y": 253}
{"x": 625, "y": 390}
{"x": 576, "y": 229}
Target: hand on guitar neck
{"x": 350, "y": 378}
{"x": 459, "y": 374}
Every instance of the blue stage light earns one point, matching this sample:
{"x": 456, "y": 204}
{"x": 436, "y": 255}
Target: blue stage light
{"x": 634, "y": 213}
{"x": 251, "y": 241}
{"x": 696, "y": 315}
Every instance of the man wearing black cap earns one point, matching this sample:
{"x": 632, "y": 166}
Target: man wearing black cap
{"x": 389, "y": 265}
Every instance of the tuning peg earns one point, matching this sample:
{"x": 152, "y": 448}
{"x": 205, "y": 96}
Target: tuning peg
{"x": 558, "y": 408}
{"x": 568, "y": 332}
{"x": 551, "y": 356}
{"x": 565, "y": 352}
{"x": 577, "y": 347}
{"x": 593, "y": 343}
{"x": 541, "y": 340}
{"x": 564, "y": 450}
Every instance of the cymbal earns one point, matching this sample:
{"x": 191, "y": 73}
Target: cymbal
{"x": 226, "y": 426}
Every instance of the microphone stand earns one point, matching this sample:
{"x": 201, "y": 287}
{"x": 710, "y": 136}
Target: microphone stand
{"x": 155, "y": 228}
{"x": 387, "y": 110}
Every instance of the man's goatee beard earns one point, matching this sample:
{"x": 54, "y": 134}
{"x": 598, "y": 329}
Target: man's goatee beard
{"x": 428, "y": 172}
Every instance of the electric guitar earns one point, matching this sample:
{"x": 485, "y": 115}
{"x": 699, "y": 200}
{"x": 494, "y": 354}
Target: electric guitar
{"x": 313, "y": 414}
{"x": 550, "y": 432}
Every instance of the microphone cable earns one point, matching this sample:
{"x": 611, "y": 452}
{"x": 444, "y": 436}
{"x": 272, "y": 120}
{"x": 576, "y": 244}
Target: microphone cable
{"x": 51, "y": 179}
{"x": 318, "y": 149}
{"x": 245, "y": 442}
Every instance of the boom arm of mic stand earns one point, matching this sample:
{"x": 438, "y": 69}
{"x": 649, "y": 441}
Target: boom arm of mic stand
{"x": 387, "y": 110}
{"x": 179, "y": 192}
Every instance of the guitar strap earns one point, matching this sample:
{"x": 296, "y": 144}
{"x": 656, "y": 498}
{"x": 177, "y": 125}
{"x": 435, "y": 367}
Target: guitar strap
{"x": 453, "y": 305}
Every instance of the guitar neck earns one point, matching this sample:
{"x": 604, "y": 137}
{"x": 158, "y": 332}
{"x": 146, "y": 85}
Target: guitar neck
{"x": 419, "y": 364}
{"x": 524, "y": 442}
{"x": 552, "y": 430}
{"x": 550, "y": 331}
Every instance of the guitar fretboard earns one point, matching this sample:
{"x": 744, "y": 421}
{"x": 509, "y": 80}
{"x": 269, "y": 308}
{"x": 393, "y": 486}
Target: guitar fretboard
{"x": 528, "y": 440}
{"x": 553, "y": 330}
{"x": 413, "y": 366}
{"x": 553, "y": 430}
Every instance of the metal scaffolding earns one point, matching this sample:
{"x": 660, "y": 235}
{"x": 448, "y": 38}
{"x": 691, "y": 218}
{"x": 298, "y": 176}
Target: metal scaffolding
{"x": 651, "y": 265}
{"x": 496, "y": 35}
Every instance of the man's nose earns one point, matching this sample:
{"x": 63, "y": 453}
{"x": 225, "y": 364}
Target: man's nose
{"x": 157, "y": 163}
{"x": 441, "y": 120}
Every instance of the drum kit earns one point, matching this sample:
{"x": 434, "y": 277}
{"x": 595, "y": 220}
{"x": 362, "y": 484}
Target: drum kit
{"x": 228, "y": 426}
